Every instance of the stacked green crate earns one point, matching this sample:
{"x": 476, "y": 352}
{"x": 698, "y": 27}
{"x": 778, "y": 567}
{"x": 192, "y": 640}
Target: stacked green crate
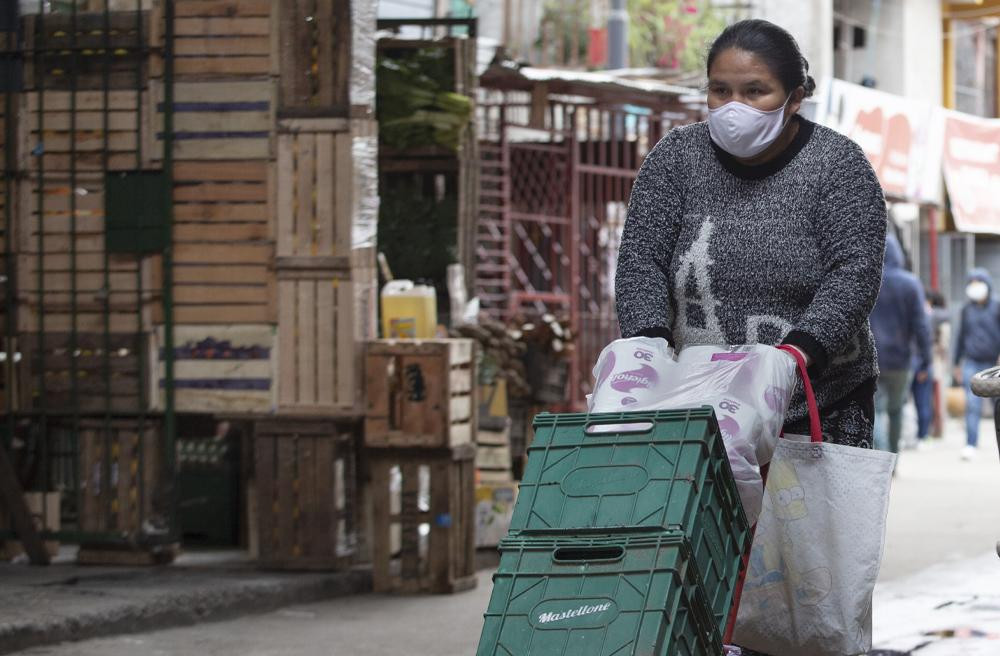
{"x": 634, "y": 476}
{"x": 630, "y": 594}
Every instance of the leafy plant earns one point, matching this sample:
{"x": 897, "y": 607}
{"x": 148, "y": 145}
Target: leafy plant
{"x": 416, "y": 232}
{"x": 416, "y": 102}
{"x": 671, "y": 34}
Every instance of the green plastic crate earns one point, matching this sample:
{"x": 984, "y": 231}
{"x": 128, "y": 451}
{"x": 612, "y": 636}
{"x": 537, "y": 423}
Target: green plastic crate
{"x": 626, "y": 595}
{"x": 669, "y": 471}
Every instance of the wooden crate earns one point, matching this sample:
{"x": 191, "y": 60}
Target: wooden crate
{"x": 315, "y": 64}
{"x": 219, "y": 120}
{"x": 223, "y": 249}
{"x": 306, "y": 491}
{"x": 218, "y": 38}
{"x": 420, "y": 393}
{"x": 120, "y": 474}
{"x": 60, "y": 264}
{"x": 111, "y": 372}
{"x": 53, "y": 135}
{"x": 73, "y": 50}
{"x": 319, "y": 363}
{"x": 315, "y": 188}
{"x": 221, "y": 368}
{"x": 423, "y": 528}
{"x": 327, "y": 180}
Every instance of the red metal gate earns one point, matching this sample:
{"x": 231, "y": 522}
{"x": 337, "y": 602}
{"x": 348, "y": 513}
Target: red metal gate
{"x": 555, "y": 188}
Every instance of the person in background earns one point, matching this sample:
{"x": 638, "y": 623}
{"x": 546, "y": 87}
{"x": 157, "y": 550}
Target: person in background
{"x": 899, "y": 322}
{"x": 922, "y": 387}
{"x": 977, "y": 347}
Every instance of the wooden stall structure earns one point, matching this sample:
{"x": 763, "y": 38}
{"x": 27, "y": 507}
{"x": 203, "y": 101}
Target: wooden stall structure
{"x": 560, "y": 151}
{"x": 249, "y": 245}
{"x": 449, "y": 175}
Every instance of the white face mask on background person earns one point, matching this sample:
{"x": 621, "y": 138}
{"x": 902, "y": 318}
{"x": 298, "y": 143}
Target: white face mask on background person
{"x": 744, "y": 131}
{"x": 977, "y": 291}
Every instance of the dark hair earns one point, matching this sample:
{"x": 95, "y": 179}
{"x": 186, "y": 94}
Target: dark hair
{"x": 771, "y": 43}
{"x": 936, "y": 299}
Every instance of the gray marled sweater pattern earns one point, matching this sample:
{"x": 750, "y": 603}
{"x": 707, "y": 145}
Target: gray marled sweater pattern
{"x": 794, "y": 256}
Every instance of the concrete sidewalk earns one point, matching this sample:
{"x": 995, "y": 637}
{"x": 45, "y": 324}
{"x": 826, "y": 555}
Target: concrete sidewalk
{"x": 64, "y": 602}
{"x": 949, "y": 609}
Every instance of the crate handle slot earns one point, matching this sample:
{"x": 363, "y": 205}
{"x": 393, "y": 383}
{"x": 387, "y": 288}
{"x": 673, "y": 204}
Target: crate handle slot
{"x": 620, "y": 428}
{"x": 588, "y": 554}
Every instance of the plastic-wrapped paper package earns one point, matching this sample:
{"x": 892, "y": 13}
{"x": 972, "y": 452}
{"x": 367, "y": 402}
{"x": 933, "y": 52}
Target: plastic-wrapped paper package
{"x": 363, "y": 20}
{"x": 763, "y": 380}
{"x": 749, "y": 387}
{"x": 364, "y": 151}
{"x": 631, "y": 374}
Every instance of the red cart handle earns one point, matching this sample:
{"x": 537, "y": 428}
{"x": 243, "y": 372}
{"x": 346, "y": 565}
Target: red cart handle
{"x": 815, "y": 428}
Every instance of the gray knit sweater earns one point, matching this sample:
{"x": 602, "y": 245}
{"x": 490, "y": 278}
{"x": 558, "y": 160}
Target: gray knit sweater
{"x": 715, "y": 252}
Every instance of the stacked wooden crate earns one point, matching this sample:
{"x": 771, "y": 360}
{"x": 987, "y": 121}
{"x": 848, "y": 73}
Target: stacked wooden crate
{"x": 325, "y": 286}
{"x": 420, "y": 432}
{"x": 223, "y": 141}
{"x": 84, "y": 310}
{"x": 323, "y": 202}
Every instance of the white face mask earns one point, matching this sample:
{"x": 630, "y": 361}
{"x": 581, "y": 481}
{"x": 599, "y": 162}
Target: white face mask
{"x": 977, "y": 291}
{"x": 744, "y": 131}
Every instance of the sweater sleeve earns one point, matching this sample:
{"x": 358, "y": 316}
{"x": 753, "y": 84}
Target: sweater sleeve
{"x": 850, "y": 230}
{"x": 642, "y": 288}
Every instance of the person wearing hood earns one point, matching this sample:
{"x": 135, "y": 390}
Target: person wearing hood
{"x": 977, "y": 347}
{"x": 901, "y": 329}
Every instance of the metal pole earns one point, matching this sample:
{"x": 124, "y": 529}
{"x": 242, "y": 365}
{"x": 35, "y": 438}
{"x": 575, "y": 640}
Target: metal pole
{"x": 169, "y": 425}
{"x": 10, "y": 58}
{"x": 618, "y": 35}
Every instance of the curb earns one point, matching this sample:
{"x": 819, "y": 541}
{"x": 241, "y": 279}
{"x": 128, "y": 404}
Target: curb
{"x": 185, "y": 609}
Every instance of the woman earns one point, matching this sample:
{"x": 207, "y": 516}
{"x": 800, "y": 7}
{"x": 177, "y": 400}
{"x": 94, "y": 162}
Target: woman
{"x": 759, "y": 226}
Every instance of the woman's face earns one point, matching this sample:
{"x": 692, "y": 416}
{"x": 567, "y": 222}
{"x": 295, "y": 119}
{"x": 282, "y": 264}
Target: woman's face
{"x": 744, "y": 77}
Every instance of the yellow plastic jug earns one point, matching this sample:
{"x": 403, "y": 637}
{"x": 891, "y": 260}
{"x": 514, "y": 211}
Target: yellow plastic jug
{"x": 408, "y": 311}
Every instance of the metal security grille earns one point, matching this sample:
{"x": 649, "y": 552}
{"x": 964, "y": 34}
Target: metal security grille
{"x": 86, "y": 214}
{"x": 555, "y": 180}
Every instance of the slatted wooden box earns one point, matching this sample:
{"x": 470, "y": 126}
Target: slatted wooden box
{"x": 62, "y": 264}
{"x": 316, "y": 172}
{"x": 420, "y": 393}
{"x": 73, "y": 47}
{"x": 306, "y": 491}
{"x": 111, "y": 371}
{"x": 229, "y": 119}
{"x": 315, "y": 41}
{"x": 59, "y": 129}
{"x": 120, "y": 473}
{"x": 223, "y": 251}
{"x": 218, "y": 38}
{"x": 423, "y": 529}
{"x": 228, "y": 368}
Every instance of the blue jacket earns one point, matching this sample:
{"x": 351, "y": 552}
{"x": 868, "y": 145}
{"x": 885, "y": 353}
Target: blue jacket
{"x": 979, "y": 326}
{"x": 899, "y": 320}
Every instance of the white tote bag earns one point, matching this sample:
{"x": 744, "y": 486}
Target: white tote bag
{"x": 817, "y": 548}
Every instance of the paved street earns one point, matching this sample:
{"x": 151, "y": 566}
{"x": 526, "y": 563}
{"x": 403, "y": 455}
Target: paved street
{"x": 940, "y": 586}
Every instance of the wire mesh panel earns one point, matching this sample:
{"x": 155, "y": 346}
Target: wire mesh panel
{"x": 89, "y": 212}
{"x": 556, "y": 174}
